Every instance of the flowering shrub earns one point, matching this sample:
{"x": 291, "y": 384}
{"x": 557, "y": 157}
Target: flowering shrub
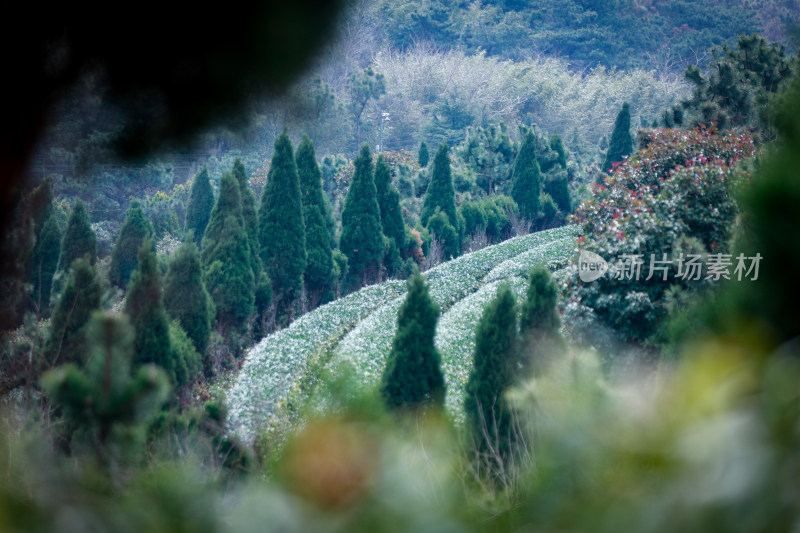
{"x": 672, "y": 198}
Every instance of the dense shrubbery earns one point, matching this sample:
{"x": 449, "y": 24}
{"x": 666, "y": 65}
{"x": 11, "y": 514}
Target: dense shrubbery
{"x": 675, "y": 196}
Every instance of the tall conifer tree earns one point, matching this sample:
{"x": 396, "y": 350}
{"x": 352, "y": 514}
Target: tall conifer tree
{"x": 391, "y": 215}
{"x": 362, "y": 233}
{"x": 66, "y": 339}
{"x": 226, "y": 259}
{"x": 621, "y": 143}
{"x": 539, "y": 323}
{"x": 526, "y": 183}
{"x": 249, "y": 215}
{"x": 145, "y": 307}
{"x": 201, "y": 202}
{"x": 44, "y": 263}
{"x": 423, "y": 156}
{"x": 413, "y": 375}
{"x": 79, "y": 239}
{"x": 281, "y": 231}
{"x": 495, "y": 368}
{"x": 319, "y": 269}
{"x": 186, "y": 298}
{"x": 125, "y": 255}
{"x": 440, "y": 192}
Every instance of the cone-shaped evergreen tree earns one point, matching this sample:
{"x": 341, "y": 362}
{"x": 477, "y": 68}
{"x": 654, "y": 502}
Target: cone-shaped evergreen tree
{"x": 413, "y": 375}
{"x": 102, "y": 402}
{"x": 185, "y": 296}
{"x": 389, "y": 202}
{"x": 79, "y": 239}
{"x": 495, "y": 367}
{"x": 540, "y": 324}
{"x": 281, "y": 231}
{"x": 319, "y": 269}
{"x": 526, "y": 184}
{"x": 621, "y": 143}
{"x": 362, "y": 233}
{"x": 558, "y": 147}
{"x": 226, "y": 259}
{"x": 423, "y": 156}
{"x": 440, "y": 192}
{"x": 391, "y": 215}
{"x": 66, "y": 340}
{"x": 201, "y": 202}
{"x": 125, "y": 255}
{"x": 145, "y": 307}
{"x": 249, "y": 215}
{"x": 44, "y": 263}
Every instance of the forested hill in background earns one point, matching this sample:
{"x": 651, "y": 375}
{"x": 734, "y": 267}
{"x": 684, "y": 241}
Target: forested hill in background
{"x": 404, "y": 71}
{"x": 614, "y": 33}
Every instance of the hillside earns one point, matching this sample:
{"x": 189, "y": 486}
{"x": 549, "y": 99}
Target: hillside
{"x": 357, "y": 330}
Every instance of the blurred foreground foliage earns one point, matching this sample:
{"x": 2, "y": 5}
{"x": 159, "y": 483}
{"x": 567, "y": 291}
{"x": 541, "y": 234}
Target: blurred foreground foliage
{"x": 710, "y": 442}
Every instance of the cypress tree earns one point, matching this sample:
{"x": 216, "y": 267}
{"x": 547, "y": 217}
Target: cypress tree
{"x": 423, "y": 155}
{"x": 558, "y": 147}
{"x": 281, "y": 231}
{"x": 621, "y": 143}
{"x": 44, "y": 263}
{"x": 440, "y": 192}
{"x": 185, "y": 297}
{"x": 495, "y": 367}
{"x": 79, "y": 239}
{"x": 124, "y": 256}
{"x": 145, "y": 307}
{"x": 389, "y": 202}
{"x": 319, "y": 269}
{"x": 539, "y": 323}
{"x": 413, "y": 376}
{"x": 249, "y": 215}
{"x": 526, "y": 180}
{"x": 201, "y": 202}
{"x": 362, "y": 233}
{"x": 391, "y": 215}
{"x": 226, "y": 259}
{"x": 66, "y": 339}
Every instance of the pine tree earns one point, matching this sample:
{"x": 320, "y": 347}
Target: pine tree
{"x": 124, "y": 256}
{"x": 391, "y": 215}
{"x": 103, "y": 404}
{"x": 526, "y": 183}
{"x": 281, "y": 231}
{"x": 226, "y": 259}
{"x": 495, "y": 368}
{"x": 249, "y": 215}
{"x": 201, "y": 202}
{"x": 185, "y": 296}
{"x": 78, "y": 240}
{"x": 44, "y": 263}
{"x": 621, "y": 143}
{"x": 66, "y": 339}
{"x": 145, "y": 307}
{"x": 423, "y": 156}
{"x": 540, "y": 324}
{"x": 413, "y": 376}
{"x": 319, "y": 270}
{"x": 362, "y": 233}
{"x": 440, "y": 191}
